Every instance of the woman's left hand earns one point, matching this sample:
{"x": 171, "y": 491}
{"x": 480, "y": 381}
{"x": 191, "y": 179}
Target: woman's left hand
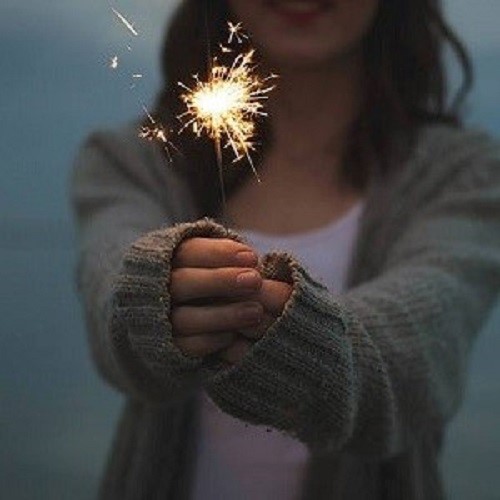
{"x": 273, "y": 296}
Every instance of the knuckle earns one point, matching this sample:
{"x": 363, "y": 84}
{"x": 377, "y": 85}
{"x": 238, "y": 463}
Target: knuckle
{"x": 176, "y": 319}
{"x": 204, "y": 344}
{"x": 185, "y": 321}
{"x": 229, "y": 245}
{"x": 247, "y": 314}
{"x": 222, "y": 279}
{"x": 181, "y": 253}
{"x": 192, "y": 346}
{"x": 175, "y": 276}
{"x": 178, "y": 280}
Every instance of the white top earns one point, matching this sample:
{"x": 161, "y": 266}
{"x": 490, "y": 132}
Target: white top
{"x": 239, "y": 461}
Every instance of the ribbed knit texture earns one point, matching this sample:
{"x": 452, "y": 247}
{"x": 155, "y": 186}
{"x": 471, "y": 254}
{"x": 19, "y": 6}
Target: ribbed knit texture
{"x": 367, "y": 379}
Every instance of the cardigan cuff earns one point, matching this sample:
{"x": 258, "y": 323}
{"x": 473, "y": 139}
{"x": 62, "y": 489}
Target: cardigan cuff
{"x": 298, "y": 378}
{"x": 141, "y": 308}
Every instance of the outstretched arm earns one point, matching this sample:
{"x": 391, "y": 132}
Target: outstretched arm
{"x": 126, "y": 209}
{"x": 371, "y": 369}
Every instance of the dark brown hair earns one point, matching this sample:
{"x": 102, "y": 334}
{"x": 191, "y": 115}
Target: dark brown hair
{"x": 407, "y": 88}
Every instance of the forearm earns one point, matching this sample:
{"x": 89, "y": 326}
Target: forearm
{"x": 119, "y": 194}
{"x": 135, "y": 338}
{"x": 367, "y": 371}
{"x": 371, "y": 369}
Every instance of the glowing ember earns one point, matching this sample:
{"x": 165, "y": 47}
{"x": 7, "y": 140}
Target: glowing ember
{"x": 113, "y": 64}
{"x": 153, "y": 133}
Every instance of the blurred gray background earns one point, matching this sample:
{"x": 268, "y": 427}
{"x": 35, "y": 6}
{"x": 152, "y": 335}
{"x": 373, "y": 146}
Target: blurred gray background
{"x": 56, "y": 416}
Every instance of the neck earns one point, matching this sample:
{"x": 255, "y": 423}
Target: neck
{"x": 312, "y": 110}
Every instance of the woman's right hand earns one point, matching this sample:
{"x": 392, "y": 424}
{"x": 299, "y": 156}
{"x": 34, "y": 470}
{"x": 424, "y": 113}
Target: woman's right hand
{"x": 213, "y": 287}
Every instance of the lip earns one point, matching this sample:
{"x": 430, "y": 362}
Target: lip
{"x": 301, "y": 12}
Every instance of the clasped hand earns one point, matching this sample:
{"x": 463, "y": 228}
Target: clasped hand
{"x": 220, "y": 302}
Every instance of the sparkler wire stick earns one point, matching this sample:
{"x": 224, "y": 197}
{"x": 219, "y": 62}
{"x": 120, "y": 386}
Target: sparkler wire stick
{"x": 218, "y": 153}
{"x": 218, "y": 148}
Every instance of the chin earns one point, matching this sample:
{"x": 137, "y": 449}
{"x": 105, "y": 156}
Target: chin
{"x": 307, "y": 57}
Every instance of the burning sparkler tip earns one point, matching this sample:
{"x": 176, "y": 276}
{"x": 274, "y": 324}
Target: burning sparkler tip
{"x": 225, "y": 106}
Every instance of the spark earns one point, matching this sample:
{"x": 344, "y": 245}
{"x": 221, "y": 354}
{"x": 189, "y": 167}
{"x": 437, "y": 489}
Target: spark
{"x": 113, "y": 63}
{"x": 236, "y": 32}
{"x": 224, "y": 49}
{"x": 125, "y": 22}
{"x": 155, "y": 131}
{"x": 226, "y": 106}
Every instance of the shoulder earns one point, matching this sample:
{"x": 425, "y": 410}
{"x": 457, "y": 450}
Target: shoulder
{"x": 119, "y": 157}
{"x": 122, "y": 150}
{"x": 447, "y": 148}
{"x": 121, "y": 144}
{"x": 445, "y": 157}
{"x": 455, "y": 142}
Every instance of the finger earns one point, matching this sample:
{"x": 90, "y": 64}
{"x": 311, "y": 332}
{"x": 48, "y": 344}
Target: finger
{"x": 189, "y": 283}
{"x": 190, "y": 321}
{"x": 236, "y": 351}
{"x": 256, "y": 332}
{"x": 273, "y": 295}
{"x": 203, "y": 345}
{"x": 214, "y": 252}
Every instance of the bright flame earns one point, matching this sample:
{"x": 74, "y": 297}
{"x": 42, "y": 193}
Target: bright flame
{"x": 226, "y": 105}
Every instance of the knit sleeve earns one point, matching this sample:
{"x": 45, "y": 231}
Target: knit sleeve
{"x": 125, "y": 215}
{"x": 140, "y": 328}
{"x": 372, "y": 369}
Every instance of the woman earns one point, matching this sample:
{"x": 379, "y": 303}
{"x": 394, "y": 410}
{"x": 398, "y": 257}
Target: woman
{"x": 329, "y": 368}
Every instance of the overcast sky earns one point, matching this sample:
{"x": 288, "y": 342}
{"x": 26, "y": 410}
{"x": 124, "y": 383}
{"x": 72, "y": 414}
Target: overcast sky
{"x": 476, "y": 20}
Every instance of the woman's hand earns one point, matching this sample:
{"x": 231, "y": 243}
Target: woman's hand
{"x": 219, "y": 300}
{"x": 273, "y": 295}
{"x": 214, "y": 288}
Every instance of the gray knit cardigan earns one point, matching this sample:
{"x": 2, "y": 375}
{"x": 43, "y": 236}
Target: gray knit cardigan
{"x": 367, "y": 379}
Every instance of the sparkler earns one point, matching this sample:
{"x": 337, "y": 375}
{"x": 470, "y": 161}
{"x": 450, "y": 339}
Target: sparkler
{"x": 226, "y": 105}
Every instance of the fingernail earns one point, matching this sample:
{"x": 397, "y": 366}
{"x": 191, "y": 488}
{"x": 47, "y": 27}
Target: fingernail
{"x": 246, "y": 258}
{"x": 248, "y": 279}
{"x": 251, "y": 313}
